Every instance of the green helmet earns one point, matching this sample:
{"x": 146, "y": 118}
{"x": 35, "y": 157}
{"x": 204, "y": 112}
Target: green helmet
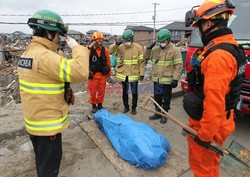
{"x": 48, "y": 20}
{"x": 163, "y": 35}
{"x": 128, "y": 35}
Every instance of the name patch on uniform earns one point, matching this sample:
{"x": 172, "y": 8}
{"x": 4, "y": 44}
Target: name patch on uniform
{"x": 25, "y": 63}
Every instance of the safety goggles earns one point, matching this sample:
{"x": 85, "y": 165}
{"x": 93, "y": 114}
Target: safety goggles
{"x": 191, "y": 16}
{"x": 61, "y": 26}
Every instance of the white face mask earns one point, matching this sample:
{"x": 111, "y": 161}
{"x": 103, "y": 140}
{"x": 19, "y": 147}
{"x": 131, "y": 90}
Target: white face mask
{"x": 128, "y": 43}
{"x": 163, "y": 45}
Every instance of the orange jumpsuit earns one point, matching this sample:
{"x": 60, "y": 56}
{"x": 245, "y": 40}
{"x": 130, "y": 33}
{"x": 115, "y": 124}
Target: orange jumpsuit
{"x": 219, "y": 69}
{"x": 97, "y": 85}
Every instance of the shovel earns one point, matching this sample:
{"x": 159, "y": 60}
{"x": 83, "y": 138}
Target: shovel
{"x": 241, "y": 157}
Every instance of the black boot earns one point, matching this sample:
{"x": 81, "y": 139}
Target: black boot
{"x": 163, "y": 120}
{"x": 100, "y": 106}
{"x": 134, "y": 112}
{"x": 125, "y": 110}
{"x": 94, "y": 108}
{"x": 154, "y": 117}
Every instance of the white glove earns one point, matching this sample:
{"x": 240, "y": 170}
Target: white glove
{"x": 71, "y": 42}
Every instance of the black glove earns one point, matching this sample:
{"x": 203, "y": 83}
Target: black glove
{"x": 151, "y": 45}
{"x": 69, "y": 96}
{"x": 119, "y": 42}
{"x": 105, "y": 70}
{"x": 174, "y": 83}
{"x": 202, "y": 143}
{"x": 91, "y": 75}
{"x": 141, "y": 78}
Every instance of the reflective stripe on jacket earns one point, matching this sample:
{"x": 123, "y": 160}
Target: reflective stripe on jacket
{"x": 166, "y": 63}
{"x": 42, "y": 85}
{"x": 130, "y": 61}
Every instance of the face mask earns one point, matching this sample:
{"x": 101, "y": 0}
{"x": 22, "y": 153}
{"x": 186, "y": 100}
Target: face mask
{"x": 128, "y": 43}
{"x": 163, "y": 45}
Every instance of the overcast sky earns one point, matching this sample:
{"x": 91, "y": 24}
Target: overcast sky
{"x": 176, "y": 11}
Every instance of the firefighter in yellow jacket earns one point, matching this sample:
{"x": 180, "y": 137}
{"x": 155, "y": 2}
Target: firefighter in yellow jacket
{"x": 130, "y": 67}
{"x": 43, "y": 72}
{"x": 166, "y": 70}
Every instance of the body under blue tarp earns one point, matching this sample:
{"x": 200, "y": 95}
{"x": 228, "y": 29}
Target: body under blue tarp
{"x": 135, "y": 142}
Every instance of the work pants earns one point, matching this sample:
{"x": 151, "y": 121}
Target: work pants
{"x": 48, "y": 154}
{"x": 205, "y": 162}
{"x": 162, "y": 95}
{"x": 97, "y": 87}
{"x": 134, "y": 91}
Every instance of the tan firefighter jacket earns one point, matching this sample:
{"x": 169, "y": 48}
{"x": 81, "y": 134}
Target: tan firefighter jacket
{"x": 42, "y": 74}
{"x": 130, "y": 61}
{"x": 166, "y": 63}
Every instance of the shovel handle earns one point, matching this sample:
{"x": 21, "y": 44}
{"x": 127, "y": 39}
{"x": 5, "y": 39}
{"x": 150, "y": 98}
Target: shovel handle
{"x": 145, "y": 102}
{"x": 175, "y": 120}
{"x": 215, "y": 147}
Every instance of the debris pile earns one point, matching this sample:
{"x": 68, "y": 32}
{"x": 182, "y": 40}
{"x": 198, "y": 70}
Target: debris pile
{"x": 9, "y": 93}
{"x": 9, "y": 87}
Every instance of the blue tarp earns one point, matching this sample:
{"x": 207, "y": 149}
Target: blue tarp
{"x": 135, "y": 142}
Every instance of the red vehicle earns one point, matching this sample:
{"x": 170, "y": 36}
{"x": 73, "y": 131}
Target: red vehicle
{"x": 240, "y": 26}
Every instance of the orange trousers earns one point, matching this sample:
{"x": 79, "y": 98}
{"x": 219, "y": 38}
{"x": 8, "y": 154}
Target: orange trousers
{"x": 205, "y": 162}
{"x": 97, "y": 87}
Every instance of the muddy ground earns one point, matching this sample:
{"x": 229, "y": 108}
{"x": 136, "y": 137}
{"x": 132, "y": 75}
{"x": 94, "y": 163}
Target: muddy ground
{"x": 81, "y": 157}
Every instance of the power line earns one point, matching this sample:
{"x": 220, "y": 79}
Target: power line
{"x": 100, "y": 24}
{"x": 12, "y": 23}
{"x": 99, "y": 14}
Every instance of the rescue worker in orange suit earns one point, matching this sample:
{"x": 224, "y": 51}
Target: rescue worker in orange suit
{"x": 99, "y": 71}
{"x": 43, "y": 72}
{"x": 130, "y": 67}
{"x": 219, "y": 85}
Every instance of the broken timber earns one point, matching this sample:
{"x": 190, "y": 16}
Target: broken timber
{"x": 176, "y": 163}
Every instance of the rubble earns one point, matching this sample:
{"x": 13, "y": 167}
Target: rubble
{"x": 9, "y": 93}
{"x": 26, "y": 146}
{"x": 5, "y": 152}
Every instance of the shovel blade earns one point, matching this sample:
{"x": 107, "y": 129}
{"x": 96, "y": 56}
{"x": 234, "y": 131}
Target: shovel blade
{"x": 234, "y": 167}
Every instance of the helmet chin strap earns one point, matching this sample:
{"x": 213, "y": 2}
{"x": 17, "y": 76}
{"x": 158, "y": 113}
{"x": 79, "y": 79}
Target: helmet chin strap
{"x": 205, "y": 33}
{"x": 53, "y": 34}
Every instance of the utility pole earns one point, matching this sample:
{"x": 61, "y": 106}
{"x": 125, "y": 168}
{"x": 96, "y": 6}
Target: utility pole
{"x": 154, "y": 4}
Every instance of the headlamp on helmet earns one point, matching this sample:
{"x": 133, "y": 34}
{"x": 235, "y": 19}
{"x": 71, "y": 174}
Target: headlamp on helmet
{"x": 209, "y": 10}
{"x": 48, "y": 20}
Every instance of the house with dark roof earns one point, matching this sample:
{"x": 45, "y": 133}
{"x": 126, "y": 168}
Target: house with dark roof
{"x": 178, "y": 31}
{"x": 143, "y": 34}
{"x": 76, "y": 35}
{"x": 90, "y": 32}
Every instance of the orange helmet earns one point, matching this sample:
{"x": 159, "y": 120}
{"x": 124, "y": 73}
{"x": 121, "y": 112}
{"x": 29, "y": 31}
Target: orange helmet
{"x": 210, "y": 9}
{"x": 97, "y": 35}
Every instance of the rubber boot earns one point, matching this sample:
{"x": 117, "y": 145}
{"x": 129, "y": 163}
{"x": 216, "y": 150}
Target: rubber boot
{"x": 94, "y": 108}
